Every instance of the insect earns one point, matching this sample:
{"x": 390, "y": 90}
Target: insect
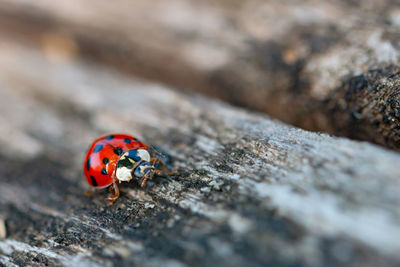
{"x": 117, "y": 158}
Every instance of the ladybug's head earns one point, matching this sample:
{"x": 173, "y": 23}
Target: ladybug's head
{"x": 134, "y": 163}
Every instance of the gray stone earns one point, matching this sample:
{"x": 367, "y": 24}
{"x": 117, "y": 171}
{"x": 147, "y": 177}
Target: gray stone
{"x": 250, "y": 190}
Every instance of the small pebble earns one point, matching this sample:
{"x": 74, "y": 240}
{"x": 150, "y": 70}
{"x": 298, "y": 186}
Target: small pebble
{"x": 216, "y": 185}
{"x": 205, "y": 189}
{"x": 148, "y": 205}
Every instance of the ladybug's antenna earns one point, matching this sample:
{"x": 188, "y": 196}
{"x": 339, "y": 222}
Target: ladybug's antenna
{"x": 158, "y": 152}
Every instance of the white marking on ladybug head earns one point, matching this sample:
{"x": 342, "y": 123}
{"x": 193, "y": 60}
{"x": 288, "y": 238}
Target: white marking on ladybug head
{"x": 129, "y": 161}
{"x": 143, "y": 154}
{"x": 124, "y": 167}
{"x": 124, "y": 174}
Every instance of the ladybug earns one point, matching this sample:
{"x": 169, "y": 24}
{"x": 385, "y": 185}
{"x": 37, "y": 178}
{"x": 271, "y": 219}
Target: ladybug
{"x": 116, "y": 158}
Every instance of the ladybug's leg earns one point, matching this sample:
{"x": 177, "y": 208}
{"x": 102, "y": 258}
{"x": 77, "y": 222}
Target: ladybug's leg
{"x": 143, "y": 180}
{"x": 114, "y": 192}
{"x": 165, "y": 170}
{"x": 90, "y": 191}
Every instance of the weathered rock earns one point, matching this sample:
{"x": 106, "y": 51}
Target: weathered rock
{"x": 250, "y": 190}
{"x": 296, "y": 60}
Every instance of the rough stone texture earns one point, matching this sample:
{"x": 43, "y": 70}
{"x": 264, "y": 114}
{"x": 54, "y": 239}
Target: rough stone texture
{"x": 296, "y": 60}
{"x": 370, "y": 107}
{"x": 249, "y": 191}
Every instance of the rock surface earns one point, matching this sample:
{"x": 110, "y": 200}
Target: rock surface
{"x": 322, "y": 65}
{"x": 249, "y": 191}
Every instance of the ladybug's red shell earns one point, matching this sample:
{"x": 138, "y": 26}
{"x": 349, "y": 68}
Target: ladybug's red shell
{"x": 103, "y": 155}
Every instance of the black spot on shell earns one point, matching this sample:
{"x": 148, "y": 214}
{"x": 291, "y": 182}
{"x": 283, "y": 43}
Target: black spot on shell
{"x": 127, "y": 140}
{"x": 88, "y": 164}
{"x": 103, "y": 171}
{"x": 110, "y": 137}
{"x": 106, "y": 161}
{"x": 118, "y": 151}
{"x": 94, "y": 182}
{"x": 98, "y": 148}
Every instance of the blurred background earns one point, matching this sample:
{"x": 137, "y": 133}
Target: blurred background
{"x": 310, "y": 63}
{"x": 71, "y": 70}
